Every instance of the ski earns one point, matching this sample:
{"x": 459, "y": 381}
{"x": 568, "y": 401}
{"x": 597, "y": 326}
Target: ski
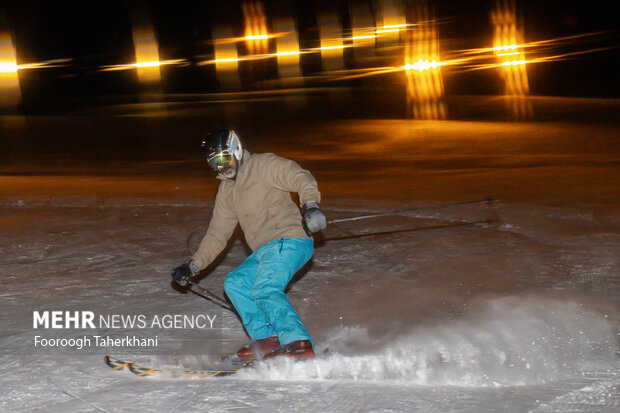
{"x": 171, "y": 372}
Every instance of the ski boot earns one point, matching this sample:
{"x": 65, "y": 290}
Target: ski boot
{"x": 300, "y": 350}
{"x": 255, "y": 350}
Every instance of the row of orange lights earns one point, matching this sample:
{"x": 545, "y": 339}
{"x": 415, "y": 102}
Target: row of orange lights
{"x": 417, "y": 60}
{"x": 11, "y": 67}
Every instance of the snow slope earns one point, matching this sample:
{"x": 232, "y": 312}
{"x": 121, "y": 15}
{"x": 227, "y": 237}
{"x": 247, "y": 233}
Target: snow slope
{"x": 510, "y": 307}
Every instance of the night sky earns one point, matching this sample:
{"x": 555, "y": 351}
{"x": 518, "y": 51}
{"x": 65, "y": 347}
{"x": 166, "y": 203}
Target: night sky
{"x": 96, "y": 34}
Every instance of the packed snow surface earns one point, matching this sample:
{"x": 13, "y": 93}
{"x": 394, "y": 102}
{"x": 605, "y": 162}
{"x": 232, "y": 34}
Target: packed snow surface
{"x": 512, "y": 306}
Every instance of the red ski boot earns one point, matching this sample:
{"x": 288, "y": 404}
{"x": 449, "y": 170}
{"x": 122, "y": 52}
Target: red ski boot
{"x": 256, "y": 350}
{"x": 300, "y": 350}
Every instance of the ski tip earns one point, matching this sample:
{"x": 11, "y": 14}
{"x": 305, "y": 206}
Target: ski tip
{"x": 116, "y": 364}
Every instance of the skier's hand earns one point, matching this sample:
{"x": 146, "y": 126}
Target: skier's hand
{"x": 313, "y": 219}
{"x": 183, "y": 273}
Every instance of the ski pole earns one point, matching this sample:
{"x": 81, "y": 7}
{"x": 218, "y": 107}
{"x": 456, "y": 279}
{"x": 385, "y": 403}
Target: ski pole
{"x": 210, "y": 296}
{"x": 396, "y": 231}
{"x": 488, "y": 200}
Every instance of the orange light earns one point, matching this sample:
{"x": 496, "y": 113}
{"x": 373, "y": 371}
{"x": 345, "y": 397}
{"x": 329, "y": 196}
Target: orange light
{"x": 370, "y": 36}
{"x": 509, "y": 50}
{"x": 147, "y": 54}
{"x": 229, "y": 60}
{"x": 334, "y": 47}
{"x": 226, "y": 58}
{"x": 505, "y": 47}
{"x": 287, "y": 47}
{"x": 148, "y": 64}
{"x": 255, "y": 22}
{"x": 332, "y": 43}
{"x": 293, "y": 53}
{"x": 257, "y": 37}
{"x": 390, "y": 22}
{"x": 143, "y": 65}
{"x": 422, "y": 65}
{"x": 514, "y": 63}
{"x": 10, "y": 92}
{"x": 391, "y": 28}
{"x": 363, "y": 32}
{"x": 422, "y": 69}
{"x": 8, "y": 67}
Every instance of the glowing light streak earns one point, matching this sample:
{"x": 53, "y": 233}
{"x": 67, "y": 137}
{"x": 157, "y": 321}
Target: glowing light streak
{"x": 395, "y": 26}
{"x": 363, "y": 35}
{"x": 10, "y": 92}
{"x": 387, "y": 31}
{"x": 368, "y": 72}
{"x": 229, "y": 60}
{"x": 257, "y": 37}
{"x": 370, "y": 36}
{"x": 146, "y": 47}
{"x": 564, "y": 56}
{"x": 392, "y": 28}
{"x": 226, "y": 58}
{"x": 480, "y": 58}
{"x": 422, "y": 65}
{"x": 140, "y": 65}
{"x": 390, "y": 21}
{"x": 564, "y": 40}
{"x": 147, "y": 64}
{"x": 506, "y": 47}
{"x": 253, "y": 57}
{"x": 287, "y": 49}
{"x": 536, "y": 46}
{"x": 507, "y": 37}
{"x": 292, "y": 53}
{"x": 335, "y": 47}
{"x": 514, "y": 63}
{"x": 8, "y": 67}
{"x": 332, "y": 43}
{"x": 250, "y": 37}
{"x": 422, "y": 68}
{"x": 255, "y": 23}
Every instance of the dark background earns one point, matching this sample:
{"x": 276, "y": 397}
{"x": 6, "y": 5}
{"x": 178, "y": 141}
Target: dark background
{"x": 74, "y": 114}
{"x": 95, "y": 34}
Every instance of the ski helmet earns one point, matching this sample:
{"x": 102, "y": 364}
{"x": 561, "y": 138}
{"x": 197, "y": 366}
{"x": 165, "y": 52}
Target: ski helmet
{"x": 220, "y": 146}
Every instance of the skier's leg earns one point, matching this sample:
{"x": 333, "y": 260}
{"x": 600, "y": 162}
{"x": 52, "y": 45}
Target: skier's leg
{"x": 238, "y": 285}
{"x": 278, "y": 262}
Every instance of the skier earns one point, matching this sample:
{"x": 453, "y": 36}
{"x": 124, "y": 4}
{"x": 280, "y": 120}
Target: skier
{"x": 255, "y": 192}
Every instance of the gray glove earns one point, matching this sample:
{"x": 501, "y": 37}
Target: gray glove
{"x": 313, "y": 219}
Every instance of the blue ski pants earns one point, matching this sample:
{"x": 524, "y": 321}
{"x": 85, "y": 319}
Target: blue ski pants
{"x": 256, "y": 289}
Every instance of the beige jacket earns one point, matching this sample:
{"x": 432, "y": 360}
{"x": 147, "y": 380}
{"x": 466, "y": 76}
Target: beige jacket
{"x": 259, "y": 200}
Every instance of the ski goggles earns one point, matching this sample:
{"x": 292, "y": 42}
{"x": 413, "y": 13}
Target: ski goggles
{"x": 220, "y": 160}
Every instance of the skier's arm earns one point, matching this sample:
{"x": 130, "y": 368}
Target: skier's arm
{"x": 288, "y": 176}
{"x": 221, "y": 227}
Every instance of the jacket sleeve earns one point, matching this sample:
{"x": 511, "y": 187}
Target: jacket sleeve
{"x": 221, "y": 227}
{"x": 287, "y": 175}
